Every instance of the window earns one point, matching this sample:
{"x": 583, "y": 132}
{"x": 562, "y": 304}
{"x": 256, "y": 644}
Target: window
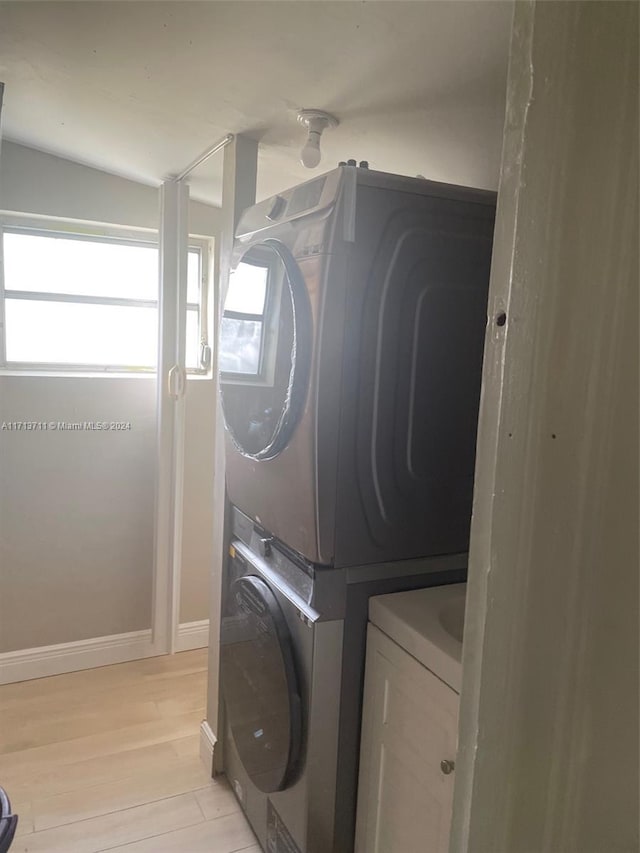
{"x": 85, "y": 302}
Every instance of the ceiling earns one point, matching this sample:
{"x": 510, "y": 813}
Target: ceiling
{"x": 141, "y": 88}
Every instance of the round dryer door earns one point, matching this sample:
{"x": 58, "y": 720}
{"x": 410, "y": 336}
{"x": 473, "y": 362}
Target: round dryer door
{"x": 265, "y": 350}
{"x": 260, "y": 686}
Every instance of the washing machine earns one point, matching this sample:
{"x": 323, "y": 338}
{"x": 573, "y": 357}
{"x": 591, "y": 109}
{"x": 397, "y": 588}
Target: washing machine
{"x": 350, "y": 362}
{"x": 292, "y": 658}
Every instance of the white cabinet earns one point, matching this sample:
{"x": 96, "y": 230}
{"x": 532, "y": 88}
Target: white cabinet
{"x": 410, "y": 726}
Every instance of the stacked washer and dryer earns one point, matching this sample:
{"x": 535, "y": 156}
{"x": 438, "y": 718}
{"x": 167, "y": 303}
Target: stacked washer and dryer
{"x": 350, "y": 364}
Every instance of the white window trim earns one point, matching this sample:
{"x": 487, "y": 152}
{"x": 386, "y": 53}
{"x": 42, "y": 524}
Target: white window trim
{"x": 74, "y": 229}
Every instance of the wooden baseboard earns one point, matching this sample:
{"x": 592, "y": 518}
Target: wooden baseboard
{"x": 193, "y": 635}
{"x": 40, "y": 662}
{"x": 43, "y": 661}
{"x": 207, "y": 746}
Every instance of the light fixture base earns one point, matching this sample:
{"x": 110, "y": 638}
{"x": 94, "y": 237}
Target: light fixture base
{"x": 317, "y": 119}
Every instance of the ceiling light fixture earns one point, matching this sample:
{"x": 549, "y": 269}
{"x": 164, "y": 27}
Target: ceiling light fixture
{"x": 315, "y": 122}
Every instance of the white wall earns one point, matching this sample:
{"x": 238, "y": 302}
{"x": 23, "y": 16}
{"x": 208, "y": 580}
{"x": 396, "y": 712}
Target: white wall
{"x": 43, "y": 185}
{"x": 76, "y": 509}
{"x": 548, "y": 758}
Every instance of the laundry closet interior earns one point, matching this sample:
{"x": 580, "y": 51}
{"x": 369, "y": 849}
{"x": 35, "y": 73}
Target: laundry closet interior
{"x": 318, "y": 426}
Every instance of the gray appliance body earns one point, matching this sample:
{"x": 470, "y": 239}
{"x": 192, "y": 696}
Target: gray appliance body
{"x": 311, "y": 807}
{"x": 357, "y": 445}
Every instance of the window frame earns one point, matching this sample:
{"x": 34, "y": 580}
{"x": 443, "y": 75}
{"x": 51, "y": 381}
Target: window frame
{"x": 95, "y": 233}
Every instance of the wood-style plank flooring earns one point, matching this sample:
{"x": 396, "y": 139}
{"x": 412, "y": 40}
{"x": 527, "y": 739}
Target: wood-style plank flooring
{"x": 108, "y": 759}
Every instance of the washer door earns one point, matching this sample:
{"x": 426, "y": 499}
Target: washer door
{"x": 260, "y": 686}
{"x": 265, "y": 350}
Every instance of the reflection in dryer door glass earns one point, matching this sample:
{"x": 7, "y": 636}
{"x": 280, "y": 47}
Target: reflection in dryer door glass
{"x": 243, "y": 320}
{"x": 247, "y": 289}
{"x": 240, "y": 345}
{"x": 264, "y": 357}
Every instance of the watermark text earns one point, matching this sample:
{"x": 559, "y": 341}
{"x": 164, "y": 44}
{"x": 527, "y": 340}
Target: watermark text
{"x": 65, "y": 426}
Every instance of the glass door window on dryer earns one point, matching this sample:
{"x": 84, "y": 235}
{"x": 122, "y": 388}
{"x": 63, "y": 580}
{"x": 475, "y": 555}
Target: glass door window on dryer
{"x": 264, "y": 350}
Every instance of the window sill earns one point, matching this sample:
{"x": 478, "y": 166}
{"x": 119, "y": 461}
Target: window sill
{"x": 94, "y": 374}
{"x": 76, "y": 374}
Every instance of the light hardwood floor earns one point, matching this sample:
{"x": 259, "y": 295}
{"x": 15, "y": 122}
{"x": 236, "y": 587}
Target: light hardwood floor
{"x": 107, "y": 759}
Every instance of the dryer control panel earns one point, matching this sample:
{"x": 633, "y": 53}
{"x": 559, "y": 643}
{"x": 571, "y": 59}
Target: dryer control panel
{"x": 317, "y": 196}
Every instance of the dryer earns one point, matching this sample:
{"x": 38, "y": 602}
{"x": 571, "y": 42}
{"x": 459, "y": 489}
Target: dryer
{"x": 350, "y": 364}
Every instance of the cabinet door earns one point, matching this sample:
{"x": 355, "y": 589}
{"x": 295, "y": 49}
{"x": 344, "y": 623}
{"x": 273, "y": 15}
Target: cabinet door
{"x": 410, "y": 724}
